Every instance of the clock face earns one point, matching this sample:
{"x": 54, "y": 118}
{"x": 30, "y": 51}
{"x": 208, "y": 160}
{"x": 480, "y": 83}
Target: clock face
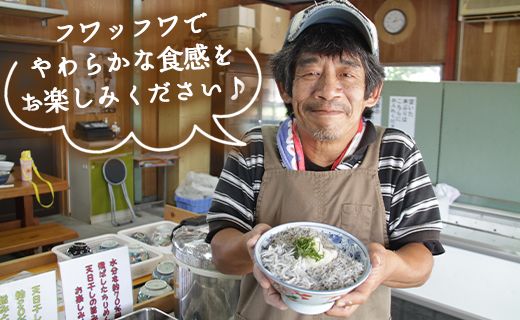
{"x": 394, "y": 21}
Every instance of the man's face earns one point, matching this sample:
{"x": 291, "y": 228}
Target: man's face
{"x": 328, "y": 95}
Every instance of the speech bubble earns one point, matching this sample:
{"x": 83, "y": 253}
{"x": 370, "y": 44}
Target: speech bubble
{"x": 233, "y": 141}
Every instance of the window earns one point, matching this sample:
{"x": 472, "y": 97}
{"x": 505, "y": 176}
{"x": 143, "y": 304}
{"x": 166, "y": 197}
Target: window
{"x": 431, "y": 73}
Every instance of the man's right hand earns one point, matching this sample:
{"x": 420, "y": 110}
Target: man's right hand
{"x": 271, "y": 296}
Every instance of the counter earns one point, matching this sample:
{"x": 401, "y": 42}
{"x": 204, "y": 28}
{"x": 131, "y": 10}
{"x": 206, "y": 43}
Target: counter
{"x": 478, "y": 277}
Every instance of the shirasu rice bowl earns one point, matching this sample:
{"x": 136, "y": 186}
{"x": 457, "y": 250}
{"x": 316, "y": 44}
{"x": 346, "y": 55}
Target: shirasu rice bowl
{"x": 306, "y": 258}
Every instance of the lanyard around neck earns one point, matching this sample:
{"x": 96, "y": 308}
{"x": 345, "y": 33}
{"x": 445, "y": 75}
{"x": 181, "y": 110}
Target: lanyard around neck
{"x": 300, "y": 156}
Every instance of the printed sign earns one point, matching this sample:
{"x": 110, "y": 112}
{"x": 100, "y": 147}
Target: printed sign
{"x": 97, "y": 286}
{"x": 29, "y": 298}
{"x": 402, "y": 113}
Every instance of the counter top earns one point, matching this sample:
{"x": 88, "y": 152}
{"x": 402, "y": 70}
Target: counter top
{"x": 469, "y": 285}
{"x": 478, "y": 275}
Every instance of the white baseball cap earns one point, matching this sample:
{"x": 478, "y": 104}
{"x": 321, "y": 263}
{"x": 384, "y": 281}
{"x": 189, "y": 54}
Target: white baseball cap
{"x": 335, "y": 12}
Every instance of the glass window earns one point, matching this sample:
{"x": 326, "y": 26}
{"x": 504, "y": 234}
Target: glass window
{"x": 431, "y": 73}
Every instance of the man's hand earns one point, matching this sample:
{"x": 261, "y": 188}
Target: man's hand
{"x": 407, "y": 267}
{"x": 271, "y": 296}
{"x": 347, "y": 304}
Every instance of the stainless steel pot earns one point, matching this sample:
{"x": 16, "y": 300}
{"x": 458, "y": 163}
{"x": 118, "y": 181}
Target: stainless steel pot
{"x": 203, "y": 292}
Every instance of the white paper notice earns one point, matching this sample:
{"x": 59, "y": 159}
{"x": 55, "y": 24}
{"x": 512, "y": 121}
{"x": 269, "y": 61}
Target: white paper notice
{"x": 377, "y": 112}
{"x": 402, "y": 113}
{"x": 30, "y": 298}
{"x": 97, "y": 286}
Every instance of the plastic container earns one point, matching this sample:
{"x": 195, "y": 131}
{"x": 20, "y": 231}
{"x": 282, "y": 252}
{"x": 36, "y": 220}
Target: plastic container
{"x": 148, "y": 230}
{"x": 194, "y": 205}
{"x": 138, "y": 269}
{"x": 26, "y": 165}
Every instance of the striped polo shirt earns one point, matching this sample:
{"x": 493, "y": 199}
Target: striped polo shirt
{"x": 412, "y": 210}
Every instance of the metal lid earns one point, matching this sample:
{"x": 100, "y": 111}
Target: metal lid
{"x": 190, "y": 248}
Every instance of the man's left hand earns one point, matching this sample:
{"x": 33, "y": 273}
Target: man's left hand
{"x": 347, "y": 304}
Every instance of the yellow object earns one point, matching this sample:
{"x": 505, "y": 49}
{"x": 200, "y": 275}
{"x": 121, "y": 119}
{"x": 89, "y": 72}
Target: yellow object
{"x": 26, "y": 155}
{"x": 27, "y": 166}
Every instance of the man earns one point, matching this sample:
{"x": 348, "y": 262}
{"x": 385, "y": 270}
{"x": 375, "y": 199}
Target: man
{"x": 327, "y": 163}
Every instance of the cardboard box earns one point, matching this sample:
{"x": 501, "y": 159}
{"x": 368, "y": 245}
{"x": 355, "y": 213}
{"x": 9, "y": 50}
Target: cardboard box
{"x": 235, "y": 38}
{"x": 236, "y": 16}
{"x": 271, "y": 26}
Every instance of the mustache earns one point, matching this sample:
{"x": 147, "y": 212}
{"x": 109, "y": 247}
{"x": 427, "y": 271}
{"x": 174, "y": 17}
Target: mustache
{"x": 329, "y": 106}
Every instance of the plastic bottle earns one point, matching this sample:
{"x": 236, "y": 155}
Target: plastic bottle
{"x": 26, "y": 165}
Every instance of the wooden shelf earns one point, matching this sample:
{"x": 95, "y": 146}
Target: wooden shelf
{"x": 25, "y": 10}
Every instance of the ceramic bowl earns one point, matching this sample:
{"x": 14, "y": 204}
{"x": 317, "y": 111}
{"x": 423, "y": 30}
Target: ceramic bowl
{"x": 6, "y": 165}
{"x": 108, "y": 244}
{"x": 137, "y": 253}
{"x": 162, "y": 236}
{"x": 4, "y": 176}
{"x": 78, "y": 249}
{"x": 3, "y": 157}
{"x": 152, "y": 289}
{"x": 140, "y": 236}
{"x": 165, "y": 270}
{"x": 312, "y": 301}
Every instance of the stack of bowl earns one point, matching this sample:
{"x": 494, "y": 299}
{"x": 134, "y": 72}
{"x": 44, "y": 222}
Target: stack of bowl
{"x": 5, "y": 169}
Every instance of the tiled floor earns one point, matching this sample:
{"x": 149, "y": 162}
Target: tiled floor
{"x": 146, "y": 214}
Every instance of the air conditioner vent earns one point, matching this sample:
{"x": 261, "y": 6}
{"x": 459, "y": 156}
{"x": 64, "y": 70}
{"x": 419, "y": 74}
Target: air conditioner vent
{"x": 488, "y": 10}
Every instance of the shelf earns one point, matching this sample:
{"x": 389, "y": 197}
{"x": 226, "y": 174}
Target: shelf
{"x": 24, "y": 10}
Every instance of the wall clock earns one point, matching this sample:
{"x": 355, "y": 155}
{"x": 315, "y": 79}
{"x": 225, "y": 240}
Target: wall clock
{"x": 394, "y": 21}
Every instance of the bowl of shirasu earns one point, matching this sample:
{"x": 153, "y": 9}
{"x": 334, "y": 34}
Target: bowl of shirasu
{"x": 312, "y": 264}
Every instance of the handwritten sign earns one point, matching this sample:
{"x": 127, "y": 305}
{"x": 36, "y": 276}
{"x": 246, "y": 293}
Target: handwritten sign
{"x": 402, "y": 114}
{"x": 97, "y": 286}
{"x": 29, "y": 298}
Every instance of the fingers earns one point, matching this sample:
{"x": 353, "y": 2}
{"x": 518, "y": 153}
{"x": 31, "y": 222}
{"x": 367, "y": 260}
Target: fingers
{"x": 345, "y": 310}
{"x": 272, "y": 297}
{"x": 254, "y": 235}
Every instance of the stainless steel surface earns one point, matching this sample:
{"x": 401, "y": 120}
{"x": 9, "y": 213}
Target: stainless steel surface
{"x": 203, "y": 292}
{"x": 189, "y": 247}
{"x": 147, "y": 314}
{"x": 490, "y": 232}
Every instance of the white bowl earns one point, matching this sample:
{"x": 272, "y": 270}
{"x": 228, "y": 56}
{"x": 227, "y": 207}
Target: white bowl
{"x": 6, "y": 165}
{"x": 307, "y": 301}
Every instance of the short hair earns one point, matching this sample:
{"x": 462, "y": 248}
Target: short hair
{"x": 329, "y": 40}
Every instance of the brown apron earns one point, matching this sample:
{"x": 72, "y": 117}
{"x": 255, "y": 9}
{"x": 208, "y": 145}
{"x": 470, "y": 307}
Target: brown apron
{"x": 350, "y": 199}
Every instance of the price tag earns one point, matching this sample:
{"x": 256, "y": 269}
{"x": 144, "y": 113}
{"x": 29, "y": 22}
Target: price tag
{"x": 33, "y": 297}
{"x": 97, "y": 286}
